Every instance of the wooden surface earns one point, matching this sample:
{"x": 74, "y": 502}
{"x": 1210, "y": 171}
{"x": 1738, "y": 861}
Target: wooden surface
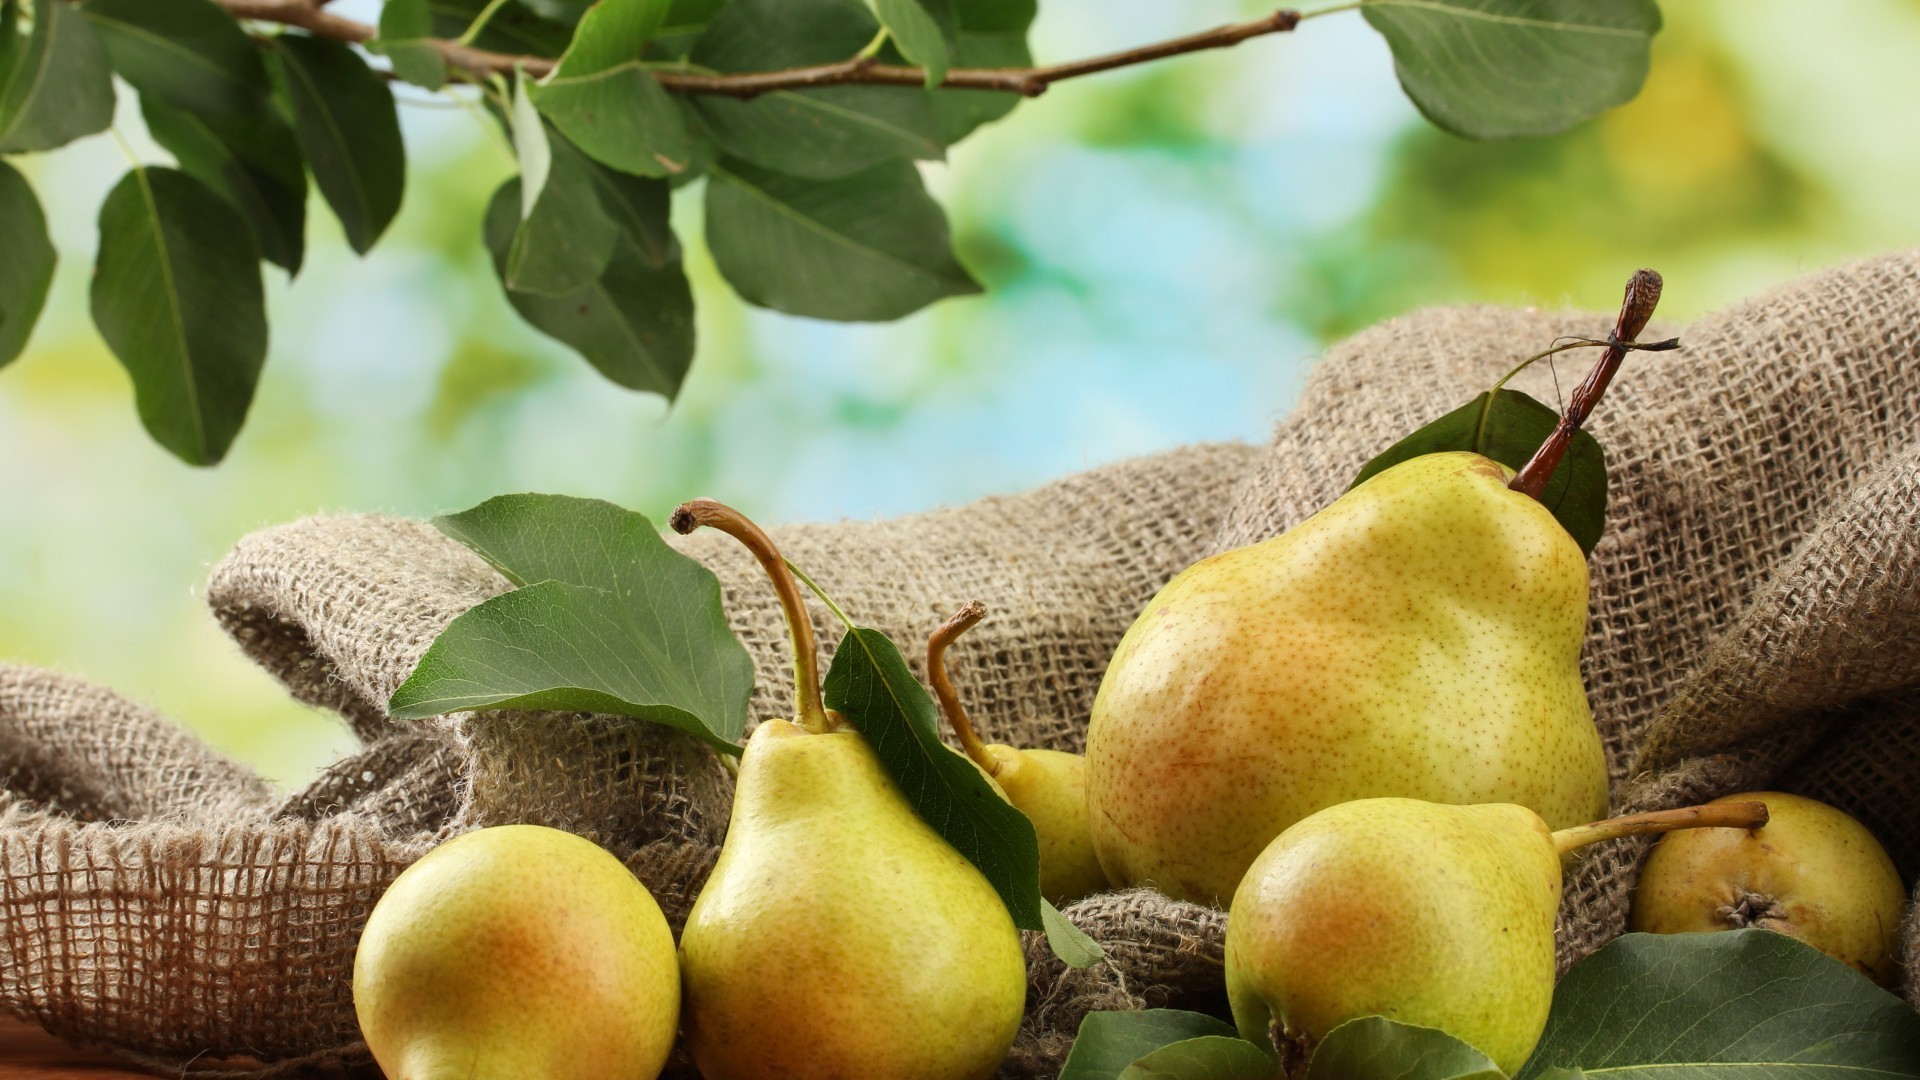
{"x": 27, "y": 1053}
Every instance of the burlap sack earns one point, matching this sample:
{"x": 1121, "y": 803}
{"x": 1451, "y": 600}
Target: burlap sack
{"x": 1754, "y": 601}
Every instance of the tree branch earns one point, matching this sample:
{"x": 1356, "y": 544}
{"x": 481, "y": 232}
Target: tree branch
{"x": 1026, "y": 81}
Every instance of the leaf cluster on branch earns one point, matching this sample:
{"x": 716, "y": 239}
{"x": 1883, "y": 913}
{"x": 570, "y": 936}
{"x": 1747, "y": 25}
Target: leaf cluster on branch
{"x": 805, "y": 120}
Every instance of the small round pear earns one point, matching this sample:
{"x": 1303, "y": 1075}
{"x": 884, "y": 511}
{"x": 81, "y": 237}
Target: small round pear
{"x": 1050, "y": 787}
{"x": 1812, "y": 872}
{"x": 517, "y": 953}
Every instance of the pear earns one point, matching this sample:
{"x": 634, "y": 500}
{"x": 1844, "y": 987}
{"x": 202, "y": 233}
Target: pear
{"x": 1049, "y": 786}
{"x": 1814, "y": 873}
{"x": 1426, "y": 913}
{"x": 839, "y": 935}
{"x": 517, "y": 953}
{"x": 1420, "y": 637}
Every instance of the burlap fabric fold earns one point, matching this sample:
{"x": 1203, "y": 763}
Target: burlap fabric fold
{"x": 1756, "y": 621}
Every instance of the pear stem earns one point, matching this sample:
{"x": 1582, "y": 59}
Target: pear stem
{"x": 1636, "y": 307}
{"x": 962, "y": 621}
{"x": 809, "y": 711}
{"x": 1734, "y": 815}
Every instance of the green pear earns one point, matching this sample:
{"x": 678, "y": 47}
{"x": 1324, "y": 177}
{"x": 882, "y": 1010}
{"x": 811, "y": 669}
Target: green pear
{"x": 517, "y": 953}
{"x": 1426, "y": 913}
{"x": 1419, "y": 637}
{"x": 1049, "y": 786}
{"x": 839, "y": 935}
{"x": 1813, "y": 872}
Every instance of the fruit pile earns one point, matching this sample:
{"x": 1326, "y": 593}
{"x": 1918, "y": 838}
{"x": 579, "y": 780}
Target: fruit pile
{"x": 1368, "y": 737}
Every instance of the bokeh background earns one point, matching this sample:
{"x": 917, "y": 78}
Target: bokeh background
{"x": 1165, "y": 251}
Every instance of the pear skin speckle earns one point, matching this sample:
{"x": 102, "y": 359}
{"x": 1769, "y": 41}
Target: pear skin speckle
{"x": 1420, "y": 637}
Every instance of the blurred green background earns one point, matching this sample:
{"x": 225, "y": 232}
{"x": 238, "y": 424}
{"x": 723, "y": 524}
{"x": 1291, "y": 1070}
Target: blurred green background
{"x": 1165, "y": 251}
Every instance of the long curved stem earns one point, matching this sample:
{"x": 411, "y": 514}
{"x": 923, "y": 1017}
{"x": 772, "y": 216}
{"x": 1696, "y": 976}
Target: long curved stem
{"x": 963, "y": 620}
{"x": 1636, "y": 307}
{"x": 809, "y": 711}
{"x": 1735, "y": 815}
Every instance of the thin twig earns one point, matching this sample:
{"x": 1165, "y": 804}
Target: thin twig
{"x": 1025, "y": 81}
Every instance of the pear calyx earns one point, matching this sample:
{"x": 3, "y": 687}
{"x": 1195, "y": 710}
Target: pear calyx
{"x": 810, "y": 712}
{"x": 1636, "y": 307}
{"x": 963, "y": 620}
{"x": 1736, "y": 815}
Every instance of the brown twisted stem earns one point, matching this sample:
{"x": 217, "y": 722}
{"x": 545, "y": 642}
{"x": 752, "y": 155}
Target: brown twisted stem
{"x": 1636, "y": 307}
{"x": 1026, "y": 81}
{"x": 1734, "y": 815}
{"x": 963, "y": 620}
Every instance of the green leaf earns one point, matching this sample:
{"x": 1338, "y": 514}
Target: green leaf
{"x": 868, "y": 247}
{"x": 686, "y": 21}
{"x": 564, "y": 239}
{"x": 349, "y": 132}
{"x": 188, "y": 53}
{"x": 1509, "y": 427}
{"x": 870, "y": 684}
{"x": 177, "y": 296}
{"x": 1376, "y": 1048}
{"x": 1494, "y": 69}
{"x": 55, "y": 85}
{"x": 603, "y": 100}
{"x": 251, "y": 158}
{"x": 992, "y": 33}
{"x": 406, "y": 26}
{"x": 924, "y": 31}
{"x": 830, "y": 132}
{"x": 1069, "y": 942}
{"x": 1109, "y": 1042}
{"x": 513, "y": 29}
{"x": 27, "y": 268}
{"x": 635, "y": 322}
{"x": 607, "y": 618}
{"x": 1209, "y": 1057}
{"x": 1741, "y": 1003}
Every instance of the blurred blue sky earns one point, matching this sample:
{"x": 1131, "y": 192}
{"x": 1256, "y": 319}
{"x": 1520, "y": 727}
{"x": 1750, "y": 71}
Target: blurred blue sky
{"x": 1165, "y": 251}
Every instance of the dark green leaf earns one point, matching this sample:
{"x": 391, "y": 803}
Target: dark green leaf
{"x": 1747, "y": 1003}
{"x": 871, "y": 246}
{"x": 635, "y": 324}
{"x": 177, "y": 296}
{"x": 563, "y": 12}
{"x": 1508, "y": 428}
{"x": 188, "y": 53}
{"x": 512, "y": 29}
{"x": 252, "y": 159}
{"x": 992, "y": 33}
{"x": 27, "y": 267}
{"x": 55, "y": 85}
{"x": 405, "y": 29}
{"x": 686, "y": 19}
{"x": 564, "y": 239}
{"x": 1492, "y": 69}
{"x": 1376, "y": 1048}
{"x": 1108, "y": 1042}
{"x": 607, "y": 618}
{"x": 1209, "y": 1057}
{"x": 870, "y": 684}
{"x": 824, "y": 133}
{"x": 923, "y": 30}
{"x": 1068, "y": 942}
{"x": 349, "y": 131}
{"x": 603, "y": 100}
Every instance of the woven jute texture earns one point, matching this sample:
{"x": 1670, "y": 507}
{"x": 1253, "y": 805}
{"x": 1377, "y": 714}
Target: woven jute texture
{"x": 1755, "y": 622}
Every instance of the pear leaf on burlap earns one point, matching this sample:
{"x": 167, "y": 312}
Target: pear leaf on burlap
{"x": 1068, "y": 942}
{"x": 1508, "y": 426}
{"x": 1376, "y": 1048}
{"x": 606, "y": 618}
{"x": 1747, "y": 1002}
{"x": 1209, "y": 1057}
{"x": 1109, "y": 1042}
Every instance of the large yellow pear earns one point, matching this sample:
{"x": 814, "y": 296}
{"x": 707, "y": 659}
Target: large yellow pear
{"x": 517, "y": 953}
{"x": 1440, "y": 916}
{"x": 1420, "y": 637}
{"x": 840, "y": 936}
{"x": 1812, "y": 872}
